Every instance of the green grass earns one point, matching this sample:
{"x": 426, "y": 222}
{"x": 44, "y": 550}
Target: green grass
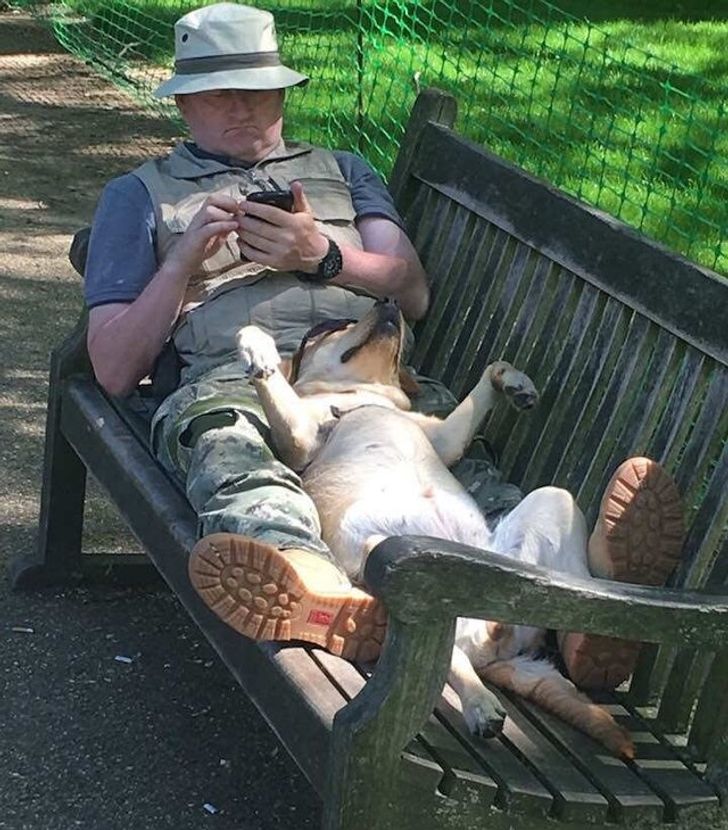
{"x": 622, "y": 108}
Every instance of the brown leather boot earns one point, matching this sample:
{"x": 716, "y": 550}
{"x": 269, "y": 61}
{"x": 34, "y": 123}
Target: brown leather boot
{"x": 638, "y": 538}
{"x": 270, "y": 594}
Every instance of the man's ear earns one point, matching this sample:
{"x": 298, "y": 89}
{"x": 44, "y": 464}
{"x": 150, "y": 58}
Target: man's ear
{"x": 408, "y": 384}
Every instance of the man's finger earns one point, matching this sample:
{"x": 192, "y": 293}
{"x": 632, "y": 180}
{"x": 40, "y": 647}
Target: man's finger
{"x": 214, "y": 228}
{"x": 267, "y": 213}
{"x": 221, "y": 200}
{"x": 254, "y": 254}
{"x": 300, "y": 202}
{"x": 260, "y": 243}
{"x": 212, "y": 213}
{"x": 250, "y": 225}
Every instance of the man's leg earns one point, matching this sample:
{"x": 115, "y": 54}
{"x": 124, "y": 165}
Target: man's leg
{"x": 477, "y": 471}
{"x": 261, "y": 564}
{"x": 638, "y": 538}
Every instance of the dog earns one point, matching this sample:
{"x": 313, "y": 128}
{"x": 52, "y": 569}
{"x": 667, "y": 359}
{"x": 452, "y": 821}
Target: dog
{"x": 374, "y": 468}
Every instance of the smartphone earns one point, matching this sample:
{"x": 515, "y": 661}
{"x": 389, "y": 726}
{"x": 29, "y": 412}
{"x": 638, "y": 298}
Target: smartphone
{"x": 282, "y": 199}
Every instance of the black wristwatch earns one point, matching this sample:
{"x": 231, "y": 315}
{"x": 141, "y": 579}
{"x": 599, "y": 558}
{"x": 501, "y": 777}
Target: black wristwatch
{"x": 329, "y": 267}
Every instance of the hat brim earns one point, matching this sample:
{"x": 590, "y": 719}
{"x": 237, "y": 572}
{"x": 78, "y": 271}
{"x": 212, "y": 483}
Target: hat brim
{"x": 264, "y": 77}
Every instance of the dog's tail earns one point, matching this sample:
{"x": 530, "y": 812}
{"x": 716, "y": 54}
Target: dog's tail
{"x": 540, "y": 682}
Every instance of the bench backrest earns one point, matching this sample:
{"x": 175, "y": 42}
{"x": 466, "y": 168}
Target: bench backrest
{"x": 627, "y": 341}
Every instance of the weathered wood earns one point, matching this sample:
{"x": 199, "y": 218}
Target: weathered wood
{"x": 432, "y": 106}
{"x": 155, "y": 509}
{"x": 409, "y": 571}
{"x": 462, "y": 778}
{"x": 629, "y": 798}
{"x": 283, "y": 683}
{"x": 670, "y": 290}
{"x": 709, "y": 733}
{"x": 372, "y": 731}
{"x": 684, "y": 682}
{"x": 519, "y": 791}
{"x": 682, "y": 790}
{"x": 575, "y": 799}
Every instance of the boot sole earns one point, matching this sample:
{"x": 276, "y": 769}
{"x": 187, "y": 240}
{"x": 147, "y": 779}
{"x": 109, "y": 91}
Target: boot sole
{"x": 641, "y": 529}
{"x": 252, "y": 587}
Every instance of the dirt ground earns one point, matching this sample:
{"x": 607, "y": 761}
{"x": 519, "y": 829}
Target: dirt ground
{"x": 85, "y": 740}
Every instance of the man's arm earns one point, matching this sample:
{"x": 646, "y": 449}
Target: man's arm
{"x": 387, "y": 267}
{"x": 124, "y": 339}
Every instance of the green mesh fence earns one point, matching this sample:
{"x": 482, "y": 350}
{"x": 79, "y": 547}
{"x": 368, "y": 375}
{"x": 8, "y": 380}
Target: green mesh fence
{"x": 607, "y": 121}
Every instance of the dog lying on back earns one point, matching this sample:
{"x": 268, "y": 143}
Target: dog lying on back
{"x": 376, "y": 469}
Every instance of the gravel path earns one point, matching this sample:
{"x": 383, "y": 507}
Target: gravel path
{"x": 87, "y": 741}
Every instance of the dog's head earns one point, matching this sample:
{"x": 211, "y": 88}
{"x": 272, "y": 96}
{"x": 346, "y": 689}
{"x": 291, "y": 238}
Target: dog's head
{"x": 350, "y": 353}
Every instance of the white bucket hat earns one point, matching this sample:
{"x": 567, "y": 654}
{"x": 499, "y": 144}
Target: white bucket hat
{"x": 227, "y": 46}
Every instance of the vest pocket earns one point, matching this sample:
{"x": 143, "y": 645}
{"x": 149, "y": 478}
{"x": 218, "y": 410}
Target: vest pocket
{"x": 227, "y": 256}
{"x": 330, "y": 200}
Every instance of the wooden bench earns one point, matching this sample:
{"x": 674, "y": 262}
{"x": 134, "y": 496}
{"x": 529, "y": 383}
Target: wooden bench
{"x": 628, "y": 345}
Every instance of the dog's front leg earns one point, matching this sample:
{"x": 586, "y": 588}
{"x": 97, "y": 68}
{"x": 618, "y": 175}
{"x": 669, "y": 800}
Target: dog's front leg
{"x": 293, "y": 422}
{"x": 482, "y": 710}
{"x": 452, "y": 436}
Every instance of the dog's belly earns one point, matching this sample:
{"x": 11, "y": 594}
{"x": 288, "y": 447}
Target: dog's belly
{"x": 378, "y": 475}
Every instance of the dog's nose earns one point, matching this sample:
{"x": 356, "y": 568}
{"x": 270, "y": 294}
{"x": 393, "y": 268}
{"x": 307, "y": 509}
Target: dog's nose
{"x": 388, "y": 315}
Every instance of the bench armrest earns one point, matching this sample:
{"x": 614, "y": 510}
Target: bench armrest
{"x": 421, "y": 578}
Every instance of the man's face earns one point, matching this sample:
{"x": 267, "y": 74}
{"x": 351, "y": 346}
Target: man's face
{"x": 244, "y": 124}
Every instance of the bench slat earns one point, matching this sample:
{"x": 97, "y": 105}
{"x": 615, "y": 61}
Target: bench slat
{"x": 477, "y": 311}
{"x": 708, "y": 527}
{"x": 589, "y": 409}
{"x": 709, "y": 733}
{"x": 687, "y": 675}
{"x": 574, "y": 797}
{"x": 565, "y": 356}
{"x": 457, "y": 299}
{"x": 554, "y": 340}
{"x": 592, "y": 472}
{"x": 482, "y": 314}
{"x": 682, "y": 790}
{"x": 520, "y": 792}
{"x": 461, "y": 778}
{"x": 629, "y": 797}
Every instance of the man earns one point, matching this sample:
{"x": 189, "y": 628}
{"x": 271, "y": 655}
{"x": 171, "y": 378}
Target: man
{"x": 177, "y": 250}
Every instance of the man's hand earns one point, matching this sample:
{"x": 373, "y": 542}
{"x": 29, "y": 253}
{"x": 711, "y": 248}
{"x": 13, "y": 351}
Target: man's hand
{"x": 205, "y": 234}
{"x": 282, "y": 240}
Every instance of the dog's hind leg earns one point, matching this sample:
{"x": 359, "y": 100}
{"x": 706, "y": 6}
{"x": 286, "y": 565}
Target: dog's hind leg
{"x": 548, "y": 529}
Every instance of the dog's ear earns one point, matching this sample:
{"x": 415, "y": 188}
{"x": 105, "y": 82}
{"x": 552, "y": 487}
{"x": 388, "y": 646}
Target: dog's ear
{"x": 408, "y": 384}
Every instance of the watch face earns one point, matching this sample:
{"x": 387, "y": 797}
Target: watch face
{"x": 332, "y": 263}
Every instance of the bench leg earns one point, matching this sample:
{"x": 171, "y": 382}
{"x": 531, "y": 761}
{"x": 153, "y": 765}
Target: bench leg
{"x": 57, "y": 558}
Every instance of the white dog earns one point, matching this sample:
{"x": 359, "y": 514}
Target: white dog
{"x": 376, "y": 469}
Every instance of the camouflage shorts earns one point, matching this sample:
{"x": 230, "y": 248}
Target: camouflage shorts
{"x": 213, "y": 436}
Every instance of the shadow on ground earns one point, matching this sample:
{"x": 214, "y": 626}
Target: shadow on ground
{"x": 87, "y": 741}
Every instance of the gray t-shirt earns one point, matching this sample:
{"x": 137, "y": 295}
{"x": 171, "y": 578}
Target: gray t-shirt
{"x": 122, "y": 255}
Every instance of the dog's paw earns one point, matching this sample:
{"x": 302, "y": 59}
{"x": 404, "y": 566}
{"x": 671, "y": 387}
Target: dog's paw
{"x": 257, "y": 352}
{"x": 514, "y": 384}
{"x": 483, "y": 713}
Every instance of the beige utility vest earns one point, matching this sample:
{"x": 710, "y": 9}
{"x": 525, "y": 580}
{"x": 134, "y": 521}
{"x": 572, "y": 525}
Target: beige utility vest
{"x": 229, "y": 293}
